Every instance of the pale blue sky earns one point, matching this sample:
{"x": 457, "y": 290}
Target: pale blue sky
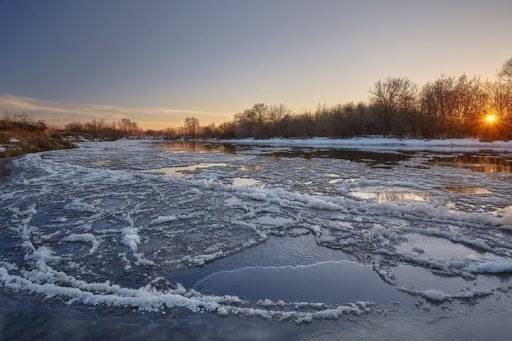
{"x": 214, "y": 58}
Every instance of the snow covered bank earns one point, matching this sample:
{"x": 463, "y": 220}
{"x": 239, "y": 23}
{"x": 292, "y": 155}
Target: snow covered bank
{"x": 468, "y": 144}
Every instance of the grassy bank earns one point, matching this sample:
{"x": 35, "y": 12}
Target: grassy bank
{"x": 18, "y": 142}
{"x": 21, "y": 136}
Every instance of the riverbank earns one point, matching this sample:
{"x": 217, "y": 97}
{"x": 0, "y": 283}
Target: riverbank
{"x": 19, "y": 141}
{"x": 463, "y": 144}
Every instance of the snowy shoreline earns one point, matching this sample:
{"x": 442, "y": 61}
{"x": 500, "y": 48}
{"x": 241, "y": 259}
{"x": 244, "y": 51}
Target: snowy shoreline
{"x": 466, "y": 144}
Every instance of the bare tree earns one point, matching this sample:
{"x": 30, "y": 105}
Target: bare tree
{"x": 500, "y": 94}
{"x": 506, "y": 70}
{"x": 438, "y": 99}
{"x": 253, "y": 121}
{"x": 471, "y": 99}
{"x": 191, "y": 126}
{"x": 447, "y": 106}
{"x": 392, "y": 96}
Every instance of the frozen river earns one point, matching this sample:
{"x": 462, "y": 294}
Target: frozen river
{"x": 140, "y": 239}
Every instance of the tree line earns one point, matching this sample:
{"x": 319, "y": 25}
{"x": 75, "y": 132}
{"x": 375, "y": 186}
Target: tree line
{"x": 103, "y": 129}
{"x": 21, "y": 121}
{"x": 446, "y": 107}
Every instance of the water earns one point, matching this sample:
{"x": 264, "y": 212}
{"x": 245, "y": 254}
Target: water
{"x": 4, "y": 170}
{"x": 331, "y": 282}
{"x": 369, "y": 157}
{"x": 301, "y": 250}
{"x": 135, "y": 239}
{"x": 197, "y": 147}
{"x": 479, "y": 162}
{"x": 469, "y": 190}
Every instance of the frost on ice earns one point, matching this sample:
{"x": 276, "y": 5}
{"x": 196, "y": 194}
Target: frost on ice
{"x": 106, "y": 233}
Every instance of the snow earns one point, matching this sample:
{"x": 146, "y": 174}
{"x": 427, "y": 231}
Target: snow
{"x": 13, "y": 140}
{"x": 84, "y": 237}
{"x": 434, "y": 295}
{"x": 382, "y": 195}
{"x": 130, "y": 236}
{"x": 439, "y": 296}
{"x": 42, "y": 255}
{"x": 150, "y": 300}
{"x": 163, "y": 219}
{"x": 466, "y": 144}
{"x": 491, "y": 267}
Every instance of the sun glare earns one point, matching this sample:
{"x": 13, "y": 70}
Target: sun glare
{"x": 490, "y": 118}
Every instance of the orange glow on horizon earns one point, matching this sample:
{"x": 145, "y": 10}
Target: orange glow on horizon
{"x": 491, "y": 119}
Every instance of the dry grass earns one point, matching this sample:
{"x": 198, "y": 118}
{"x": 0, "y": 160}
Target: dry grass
{"x": 29, "y": 141}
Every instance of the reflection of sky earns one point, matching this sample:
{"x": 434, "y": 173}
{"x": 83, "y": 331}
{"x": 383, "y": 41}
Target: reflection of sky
{"x": 221, "y": 56}
{"x": 478, "y": 163}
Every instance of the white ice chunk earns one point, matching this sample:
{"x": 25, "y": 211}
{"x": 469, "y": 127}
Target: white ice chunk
{"x": 86, "y": 238}
{"x": 163, "y": 219}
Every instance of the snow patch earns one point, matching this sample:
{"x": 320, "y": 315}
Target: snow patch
{"x": 85, "y": 238}
{"x": 467, "y": 144}
{"x": 490, "y": 267}
{"x": 163, "y": 219}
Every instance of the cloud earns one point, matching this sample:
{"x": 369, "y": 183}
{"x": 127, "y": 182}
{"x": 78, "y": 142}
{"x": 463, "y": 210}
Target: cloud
{"x": 60, "y": 113}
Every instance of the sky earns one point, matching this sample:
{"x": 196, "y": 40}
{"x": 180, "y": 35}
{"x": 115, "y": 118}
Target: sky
{"x": 159, "y": 61}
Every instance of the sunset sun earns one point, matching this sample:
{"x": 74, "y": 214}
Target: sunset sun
{"x": 490, "y": 119}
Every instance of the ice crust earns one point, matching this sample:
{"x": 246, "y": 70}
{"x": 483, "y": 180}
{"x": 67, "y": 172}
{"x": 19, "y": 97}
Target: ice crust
{"x": 105, "y": 233}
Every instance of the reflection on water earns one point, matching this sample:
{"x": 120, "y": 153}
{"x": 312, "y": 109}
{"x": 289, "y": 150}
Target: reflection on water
{"x": 505, "y": 211}
{"x": 102, "y": 162}
{"x": 468, "y": 190}
{"x": 476, "y": 162}
{"x": 181, "y": 171}
{"x": 251, "y": 168}
{"x": 385, "y": 195}
{"x": 333, "y": 282}
{"x": 245, "y": 182}
{"x": 292, "y": 269}
{"x": 369, "y": 157}
{"x": 278, "y": 251}
{"x": 479, "y": 162}
{"x": 180, "y": 146}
